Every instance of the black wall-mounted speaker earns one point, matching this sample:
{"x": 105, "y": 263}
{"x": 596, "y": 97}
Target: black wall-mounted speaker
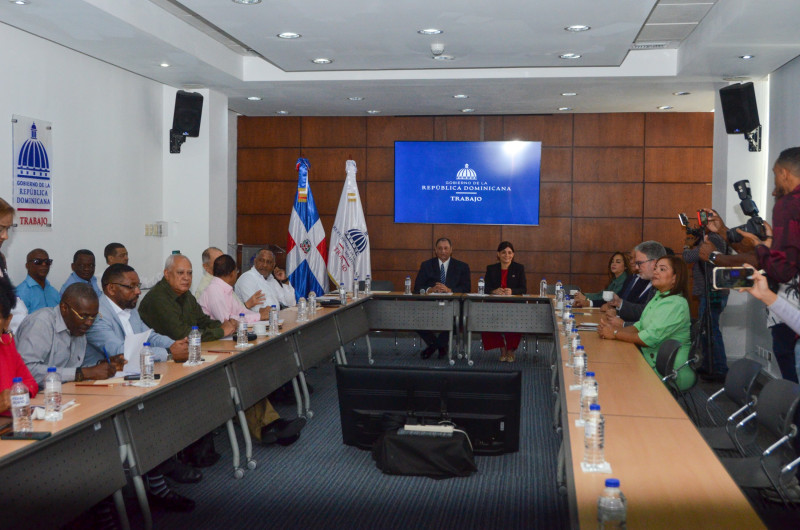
{"x": 188, "y": 110}
{"x": 739, "y": 108}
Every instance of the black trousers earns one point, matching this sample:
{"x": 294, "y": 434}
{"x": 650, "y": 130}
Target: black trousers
{"x": 783, "y": 340}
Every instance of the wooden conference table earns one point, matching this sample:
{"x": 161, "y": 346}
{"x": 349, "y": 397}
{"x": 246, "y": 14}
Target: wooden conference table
{"x": 670, "y": 476}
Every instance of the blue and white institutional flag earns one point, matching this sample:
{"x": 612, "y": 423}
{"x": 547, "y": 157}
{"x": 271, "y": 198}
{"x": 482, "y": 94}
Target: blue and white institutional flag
{"x": 306, "y": 249}
{"x": 349, "y": 252}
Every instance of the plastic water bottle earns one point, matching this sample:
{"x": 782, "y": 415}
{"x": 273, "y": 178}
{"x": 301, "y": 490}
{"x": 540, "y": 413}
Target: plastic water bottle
{"x": 194, "y": 347}
{"x": 312, "y": 304}
{"x": 612, "y": 507}
{"x": 368, "y": 285}
{"x": 579, "y": 366}
{"x": 576, "y": 339}
{"x": 241, "y": 333}
{"x": 21, "y": 406}
{"x": 593, "y": 431}
{"x": 52, "y": 395}
{"x": 588, "y": 394}
{"x": 559, "y": 285}
{"x": 302, "y": 310}
{"x": 481, "y": 286}
{"x": 408, "y": 285}
{"x": 573, "y": 332}
{"x": 342, "y": 294}
{"x": 355, "y": 287}
{"x": 146, "y": 362}
{"x": 273, "y": 321}
{"x": 543, "y": 288}
{"x": 559, "y": 299}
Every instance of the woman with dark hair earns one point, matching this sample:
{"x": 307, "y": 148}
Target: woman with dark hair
{"x": 619, "y": 268}
{"x": 11, "y": 364}
{"x": 506, "y": 277}
{"x": 6, "y": 222}
{"x": 666, "y": 316}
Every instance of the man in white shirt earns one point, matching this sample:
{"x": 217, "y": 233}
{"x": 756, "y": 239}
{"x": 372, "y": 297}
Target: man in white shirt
{"x": 264, "y": 276}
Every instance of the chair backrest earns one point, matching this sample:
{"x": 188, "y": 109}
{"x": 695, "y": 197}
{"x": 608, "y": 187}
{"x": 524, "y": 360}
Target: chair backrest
{"x": 740, "y": 379}
{"x": 665, "y": 360}
{"x": 776, "y": 406}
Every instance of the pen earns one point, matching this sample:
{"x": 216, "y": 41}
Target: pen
{"x": 106, "y": 354}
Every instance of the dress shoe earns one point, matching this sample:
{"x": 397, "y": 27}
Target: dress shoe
{"x": 427, "y": 352}
{"x": 442, "y": 352}
{"x": 184, "y": 473}
{"x": 288, "y": 441}
{"x": 171, "y": 502}
{"x": 282, "y": 430}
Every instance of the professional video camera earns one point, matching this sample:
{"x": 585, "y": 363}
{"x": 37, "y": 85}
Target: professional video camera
{"x": 754, "y": 225}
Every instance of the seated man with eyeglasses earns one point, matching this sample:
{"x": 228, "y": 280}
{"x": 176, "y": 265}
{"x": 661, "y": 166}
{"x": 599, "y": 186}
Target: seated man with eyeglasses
{"x": 56, "y": 336}
{"x": 35, "y": 290}
{"x": 638, "y": 290}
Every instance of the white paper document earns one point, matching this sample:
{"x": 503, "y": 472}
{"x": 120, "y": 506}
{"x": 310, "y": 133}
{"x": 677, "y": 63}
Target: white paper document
{"x": 133, "y": 347}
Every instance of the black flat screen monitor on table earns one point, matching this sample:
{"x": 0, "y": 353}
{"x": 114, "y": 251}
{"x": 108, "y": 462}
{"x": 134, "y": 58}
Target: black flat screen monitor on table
{"x": 485, "y": 404}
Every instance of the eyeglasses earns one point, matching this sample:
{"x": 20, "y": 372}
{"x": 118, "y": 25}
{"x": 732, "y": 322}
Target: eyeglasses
{"x": 41, "y": 261}
{"x": 6, "y": 229}
{"x": 132, "y": 286}
{"x": 640, "y": 263}
{"x": 84, "y": 318}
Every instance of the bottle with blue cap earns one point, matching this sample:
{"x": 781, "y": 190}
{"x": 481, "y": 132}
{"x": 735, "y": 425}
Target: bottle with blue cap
{"x": 194, "y": 347}
{"x": 612, "y": 507}
{"x": 20, "y": 406}
{"x": 588, "y": 394}
{"x": 593, "y": 432}
{"x": 146, "y": 365}
{"x": 52, "y": 395}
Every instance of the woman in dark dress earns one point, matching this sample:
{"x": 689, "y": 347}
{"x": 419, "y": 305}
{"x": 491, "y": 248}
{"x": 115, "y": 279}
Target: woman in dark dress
{"x": 506, "y": 277}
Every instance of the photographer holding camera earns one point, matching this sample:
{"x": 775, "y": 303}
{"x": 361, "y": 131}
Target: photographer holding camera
{"x": 776, "y": 250}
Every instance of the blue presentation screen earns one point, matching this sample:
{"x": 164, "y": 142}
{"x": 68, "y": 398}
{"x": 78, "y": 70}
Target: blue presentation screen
{"x": 484, "y": 183}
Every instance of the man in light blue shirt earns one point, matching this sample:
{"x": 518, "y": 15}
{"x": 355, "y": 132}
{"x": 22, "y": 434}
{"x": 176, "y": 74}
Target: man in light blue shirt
{"x": 35, "y": 290}
{"x": 83, "y": 264}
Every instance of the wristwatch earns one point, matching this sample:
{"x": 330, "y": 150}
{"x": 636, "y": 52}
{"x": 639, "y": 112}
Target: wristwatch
{"x": 615, "y": 333}
{"x": 78, "y": 374}
{"x": 713, "y": 257}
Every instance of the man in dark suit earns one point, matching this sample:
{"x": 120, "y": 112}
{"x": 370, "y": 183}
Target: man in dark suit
{"x": 636, "y": 294}
{"x": 441, "y": 274}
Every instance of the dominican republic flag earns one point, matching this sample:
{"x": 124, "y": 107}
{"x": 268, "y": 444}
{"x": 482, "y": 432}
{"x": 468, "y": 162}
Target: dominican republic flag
{"x": 348, "y": 257}
{"x": 306, "y": 249}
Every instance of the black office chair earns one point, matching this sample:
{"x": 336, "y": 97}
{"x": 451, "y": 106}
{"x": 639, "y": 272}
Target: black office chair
{"x": 665, "y": 366}
{"x": 738, "y": 388}
{"x": 774, "y": 413}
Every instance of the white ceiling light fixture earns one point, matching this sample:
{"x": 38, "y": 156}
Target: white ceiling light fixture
{"x": 430, "y": 31}
{"x": 564, "y": 108}
{"x": 467, "y": 110}
{"x": 665, "y": 107}
{"x": 20, "y": 2}
{"x": 569, "y": 94}
{"x": 164, "y": 65}
{"x": 681, "y": 93}
{"x": 437, "y": 48}
{"x": 288, "y": 35}
{"x": 373, "y": 111}
{"x": 747, "y": 57}
{"x": 570, "y": 56}
{"x": 282, "y": 112}
{"x": 355, "y": 98}
{"x": 247, "y": 2}
{"x": 254, "y": 98}
{"x": 460, "y": 96}
{"x": 443, "y": 57}
{"x": 576, "y": 28}
{"x": 322, "y": 60}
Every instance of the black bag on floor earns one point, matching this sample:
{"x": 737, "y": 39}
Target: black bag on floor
{"x": 429, "y": 456}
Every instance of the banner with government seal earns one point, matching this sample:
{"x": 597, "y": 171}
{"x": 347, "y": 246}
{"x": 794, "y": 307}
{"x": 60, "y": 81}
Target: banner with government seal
{"x": 32, "y": 173}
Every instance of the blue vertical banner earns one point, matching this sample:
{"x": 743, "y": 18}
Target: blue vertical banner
{"x": 32, "y": 173}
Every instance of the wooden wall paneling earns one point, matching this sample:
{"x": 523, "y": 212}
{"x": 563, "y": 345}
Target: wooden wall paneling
{"x": 326, "y": 196}
{"x": 593, "y": 262}
{"x": 552, "y": 234}
{"x": 605, "y": 234}
{"x": 257, "y": 197}
{"x": 609, "y": 130}
{"x": 262, "y": 229}
{"x": 384, "y": 131}
{"x": 607, "y": 200}
{"x": 468, "y": 237}
{"x": 380, "y": 164}
{"x": 328, "y": 164}
{"x": 589, "y": 283}
{"x": 687, "y": 129}
{"x": 668, "y": 232}
{"x": 440, "y": 128}
{"x": 261, "y": 131}
{"x": 337, "y": 131}
{"x": 396, "y": 277}
{"x": 668, "y": 200}
{"x": 608, "y": 164}
{"x": 553, "y": 130}
{"x": 537, "y": 264}
{"x": 384, "y": 233}
{"x": 398, "y": 260}
{"x": 380, "y": 199}
{"x": 463, "y": 128}
{"x": 492, "y": 128}
{"x": 556, "y": 164}
{"x": 555, "y": 199}
{"x": 275, "y": 163}
{"x": 678, "y": 164}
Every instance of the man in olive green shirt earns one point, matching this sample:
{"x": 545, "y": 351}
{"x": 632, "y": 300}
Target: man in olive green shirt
{"x": 170, "y": 309}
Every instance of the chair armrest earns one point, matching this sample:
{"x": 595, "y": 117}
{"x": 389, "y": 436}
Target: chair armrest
{"x": 769, "y": 450}
{"x": 739, "y": 412}
{"x": 746, "y": 420}
{"x": 715, "y": 395}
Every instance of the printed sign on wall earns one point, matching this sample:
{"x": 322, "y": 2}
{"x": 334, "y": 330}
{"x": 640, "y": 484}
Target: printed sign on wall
{"x": 32, "y": 173}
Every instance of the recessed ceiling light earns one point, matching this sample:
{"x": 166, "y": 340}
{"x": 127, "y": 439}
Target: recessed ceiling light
{"x": 443, "y": 57}
{"x": 461, "y": 96}
{"x": 665, "y": 107}
{"x": 430, "y": 31}
{"x": 747, "y": 57}
{"x": 355, "y": 98}
{"x": 373, "y": 112}
{"x": 282, "y": 112}
{"x": 19, "y": 2}
{"x": 564, "y": 108}
{"x": 164, "y": 65}
{"x": 569, "y": 93}
{"x": 322, "y": 60}
{"x": 289, "y": 35}
{"x": 467, "y": 110}
{"x": 578, "y": 27}
{"x": 681, "y": 93}
{"x": 570, "y": 56}
{"x": 247, "y": 2}
{"x": 254, "y": 98}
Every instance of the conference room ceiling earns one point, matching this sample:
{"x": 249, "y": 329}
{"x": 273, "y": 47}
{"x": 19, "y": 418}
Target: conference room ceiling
{"x": 506, "y": 56}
